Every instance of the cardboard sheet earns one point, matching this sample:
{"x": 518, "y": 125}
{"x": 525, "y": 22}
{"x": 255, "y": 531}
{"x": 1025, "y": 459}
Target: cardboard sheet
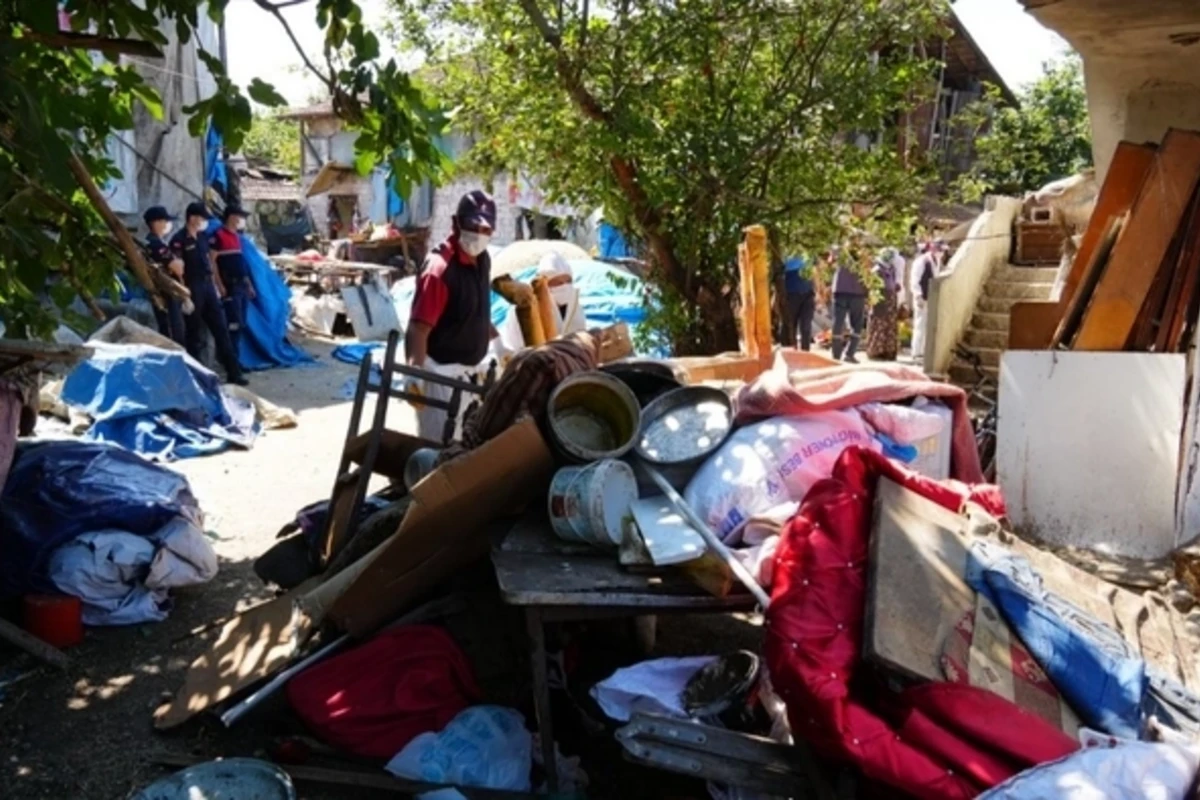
{"x": 446, "y": 526}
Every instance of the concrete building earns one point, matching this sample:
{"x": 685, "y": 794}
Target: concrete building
{"x": 1141, "y": 61}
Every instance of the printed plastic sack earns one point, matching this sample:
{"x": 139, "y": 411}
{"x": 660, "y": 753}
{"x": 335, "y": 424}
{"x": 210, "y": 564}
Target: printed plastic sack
{"x": 770, "y": 463}
{"x": 904, "y": 424}
{"x": 486, "y": 747}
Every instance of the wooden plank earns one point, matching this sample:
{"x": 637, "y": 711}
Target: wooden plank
{"x": 916, "y": 592}
{"x": 1150, "y": 317}
{"x": 1156, "y": 214}
{"x": 1130, "y": 165}
{"x": 33, "y": 645}
{"x": 1181, "y": 313}
{"x": 1032, "y": 324}
{"x": 1093, "y": 272}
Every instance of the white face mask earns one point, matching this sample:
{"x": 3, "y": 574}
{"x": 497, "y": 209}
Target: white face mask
{"x": 473, "y": 243}
{"x": 241, "y": 225}
{"x": 563, "y": 294}
{"x": 166, "y": 229}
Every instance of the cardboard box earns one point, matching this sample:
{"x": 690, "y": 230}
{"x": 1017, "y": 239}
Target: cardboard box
{"x": 446, "y": 527}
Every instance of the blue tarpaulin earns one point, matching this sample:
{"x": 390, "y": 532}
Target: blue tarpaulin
{"x": 264, "y": 342}
{"x": 160, "y": 404}
{"x": 57, "y": 491}
{"x": 214, "y": 165}
{"x": 612, "y": 243}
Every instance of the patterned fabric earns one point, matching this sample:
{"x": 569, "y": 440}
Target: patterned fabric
{"x": 524, "y": 389}
{"x": 883, "y": 340}
{"x": 982, "y": 651}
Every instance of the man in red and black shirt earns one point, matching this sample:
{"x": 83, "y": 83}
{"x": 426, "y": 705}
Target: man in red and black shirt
{"x": 451, "y": 321}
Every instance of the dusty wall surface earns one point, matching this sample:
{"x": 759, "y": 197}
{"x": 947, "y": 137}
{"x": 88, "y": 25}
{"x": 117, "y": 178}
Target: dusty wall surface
{"x": 955, "y": 293}
{"x": 1141, "y": 64}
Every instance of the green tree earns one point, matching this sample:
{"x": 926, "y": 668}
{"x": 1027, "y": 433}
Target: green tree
{"x": 688, "y": 120}
{"x": 59, "y": 103}
{"x": 1046, "y": 138}
{"x": 273, "y": 140}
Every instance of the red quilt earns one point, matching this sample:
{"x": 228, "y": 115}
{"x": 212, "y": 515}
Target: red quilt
{"x": 934, "y": 741}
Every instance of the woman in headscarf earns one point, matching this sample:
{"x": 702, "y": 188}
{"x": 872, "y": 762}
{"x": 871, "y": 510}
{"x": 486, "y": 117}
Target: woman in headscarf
{"x": 555, "y": 270}
{"x": 883, "y": 339}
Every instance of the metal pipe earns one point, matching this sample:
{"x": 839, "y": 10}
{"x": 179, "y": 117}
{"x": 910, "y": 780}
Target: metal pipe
{"x": 711, "y": 539}
{"x": 234, "y": 713}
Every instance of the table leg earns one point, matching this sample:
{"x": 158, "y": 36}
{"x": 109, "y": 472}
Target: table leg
{"x": 541, "y": 694}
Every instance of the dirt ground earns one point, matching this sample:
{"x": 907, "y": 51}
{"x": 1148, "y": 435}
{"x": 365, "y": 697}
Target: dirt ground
{"x": 88, "y": 733}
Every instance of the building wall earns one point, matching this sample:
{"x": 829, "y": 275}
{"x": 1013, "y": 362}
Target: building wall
{"x": 1141, "y": 65}
{"x": 445, "y": 203}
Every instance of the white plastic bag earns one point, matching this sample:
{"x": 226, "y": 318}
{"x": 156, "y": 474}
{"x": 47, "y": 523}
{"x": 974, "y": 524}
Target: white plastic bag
{"x": 184, "y": 557}
{"x": 651, "y": 687}
{"x": 486, "y": 747}
{"x": 104, "y": 570}
{"x": 770, "y": 463}
{"x": 1128, "y": 771}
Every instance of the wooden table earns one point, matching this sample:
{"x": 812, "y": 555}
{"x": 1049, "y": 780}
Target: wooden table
{"x": 554, "y": 581}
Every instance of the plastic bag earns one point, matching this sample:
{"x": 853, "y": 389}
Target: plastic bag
{"x": 770, "y": 463}
{"x": 486, "y": 747}
{"x": 104, "y": 570}
{"x": 1128, "y": 771}
{"x": 651, "y": 687}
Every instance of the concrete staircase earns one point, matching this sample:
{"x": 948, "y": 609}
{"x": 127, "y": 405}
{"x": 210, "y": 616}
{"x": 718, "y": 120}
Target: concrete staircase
{"x": 987, "y": 335}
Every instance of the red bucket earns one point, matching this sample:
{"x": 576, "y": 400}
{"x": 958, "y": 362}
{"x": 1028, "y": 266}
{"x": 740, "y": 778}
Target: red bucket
{"x": 56, "y": 619}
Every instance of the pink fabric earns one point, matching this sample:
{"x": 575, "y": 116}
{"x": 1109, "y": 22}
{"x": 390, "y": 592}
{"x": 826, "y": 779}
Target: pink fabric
{"x": 777, "y": 392}
{"x": 946, "y": 741}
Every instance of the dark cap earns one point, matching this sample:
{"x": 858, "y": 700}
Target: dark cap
{"x": 234, "y": 211}
{"x": 476, "y": 208}
{"x": 157, "y": 214}
{"x": 198, "y": 210}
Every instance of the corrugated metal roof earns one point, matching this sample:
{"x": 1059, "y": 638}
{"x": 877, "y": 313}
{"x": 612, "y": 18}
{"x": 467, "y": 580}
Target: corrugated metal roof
{"x": 270, "y": 190}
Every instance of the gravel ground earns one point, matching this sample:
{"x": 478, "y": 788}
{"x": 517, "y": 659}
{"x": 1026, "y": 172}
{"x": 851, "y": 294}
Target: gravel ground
{"x": 88, "y": 733}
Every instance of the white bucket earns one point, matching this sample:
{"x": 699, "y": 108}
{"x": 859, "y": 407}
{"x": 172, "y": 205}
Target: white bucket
{"x": 590, "y": 504}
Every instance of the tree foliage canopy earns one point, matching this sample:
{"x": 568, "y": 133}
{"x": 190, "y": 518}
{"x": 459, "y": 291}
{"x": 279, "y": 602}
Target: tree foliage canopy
{"x": 1046, "y": 138}
{"x": 273, "y": 140}
{"x": 60, "y": 100}
{"x": 688, "y": 120}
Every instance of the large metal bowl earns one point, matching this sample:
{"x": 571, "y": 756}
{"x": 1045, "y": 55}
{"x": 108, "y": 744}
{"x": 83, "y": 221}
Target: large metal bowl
{"x": 702, "y": 401}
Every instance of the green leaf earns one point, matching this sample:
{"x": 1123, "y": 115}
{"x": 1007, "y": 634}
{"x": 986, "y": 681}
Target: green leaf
{"x": 265, "y": 94}
{"x": 150, "y": 99}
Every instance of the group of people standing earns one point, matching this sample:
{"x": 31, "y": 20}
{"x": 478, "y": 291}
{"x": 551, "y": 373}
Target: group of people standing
{"x": 214, "y": 270}
{"x": 857, "y": 302}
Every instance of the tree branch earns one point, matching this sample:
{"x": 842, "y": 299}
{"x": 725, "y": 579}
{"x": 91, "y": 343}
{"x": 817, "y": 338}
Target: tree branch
{"x": 274, "y": 10}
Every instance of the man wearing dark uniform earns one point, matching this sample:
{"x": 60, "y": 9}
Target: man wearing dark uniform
{"x": 170, "y": 319}
{"x": 233, "y": 272}
{"x": 190, "y": 245}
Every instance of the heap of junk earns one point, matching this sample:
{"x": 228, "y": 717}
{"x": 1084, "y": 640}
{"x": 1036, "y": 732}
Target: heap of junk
{"x": 880, "y": 620}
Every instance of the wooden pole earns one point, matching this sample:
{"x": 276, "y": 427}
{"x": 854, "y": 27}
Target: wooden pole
{"x": 32, "y": 645}
{"x": 746, "y": 293}
{"x": 154, "y": 282}
{"x": 758, "y": 271}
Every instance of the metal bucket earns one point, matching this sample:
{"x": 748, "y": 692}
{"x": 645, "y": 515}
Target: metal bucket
{"x": 593, "y": 416}
{"x": 243, "y": 778}
{"x": 591, "y": 504}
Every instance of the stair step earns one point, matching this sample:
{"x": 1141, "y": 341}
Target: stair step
{"x": 1017, "y": 290}
{"x": 963, "y": 374}
{"x": 998, "y": 305}
{"x": 990, "y": 321}
{"x": 1018, "y": 274}
{"x": 989, "y": 339}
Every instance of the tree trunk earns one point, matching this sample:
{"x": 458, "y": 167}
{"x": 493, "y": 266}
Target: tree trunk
{"x": 716, "y": 331}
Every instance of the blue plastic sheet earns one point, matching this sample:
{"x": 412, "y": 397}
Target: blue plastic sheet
{"x": 158, "y": 403}
{"x": 214, "y": 165}
{"x": 264, "y": 343}
{"x": 612, "y": 243}
{"x": 59, "y": 490}
{"x": 355, "y": 352}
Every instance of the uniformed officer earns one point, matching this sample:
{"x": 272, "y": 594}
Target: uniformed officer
{"x": 190, "y": 245}
{"x": 233, "y": 272}
{"x": 170, "y": 319}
